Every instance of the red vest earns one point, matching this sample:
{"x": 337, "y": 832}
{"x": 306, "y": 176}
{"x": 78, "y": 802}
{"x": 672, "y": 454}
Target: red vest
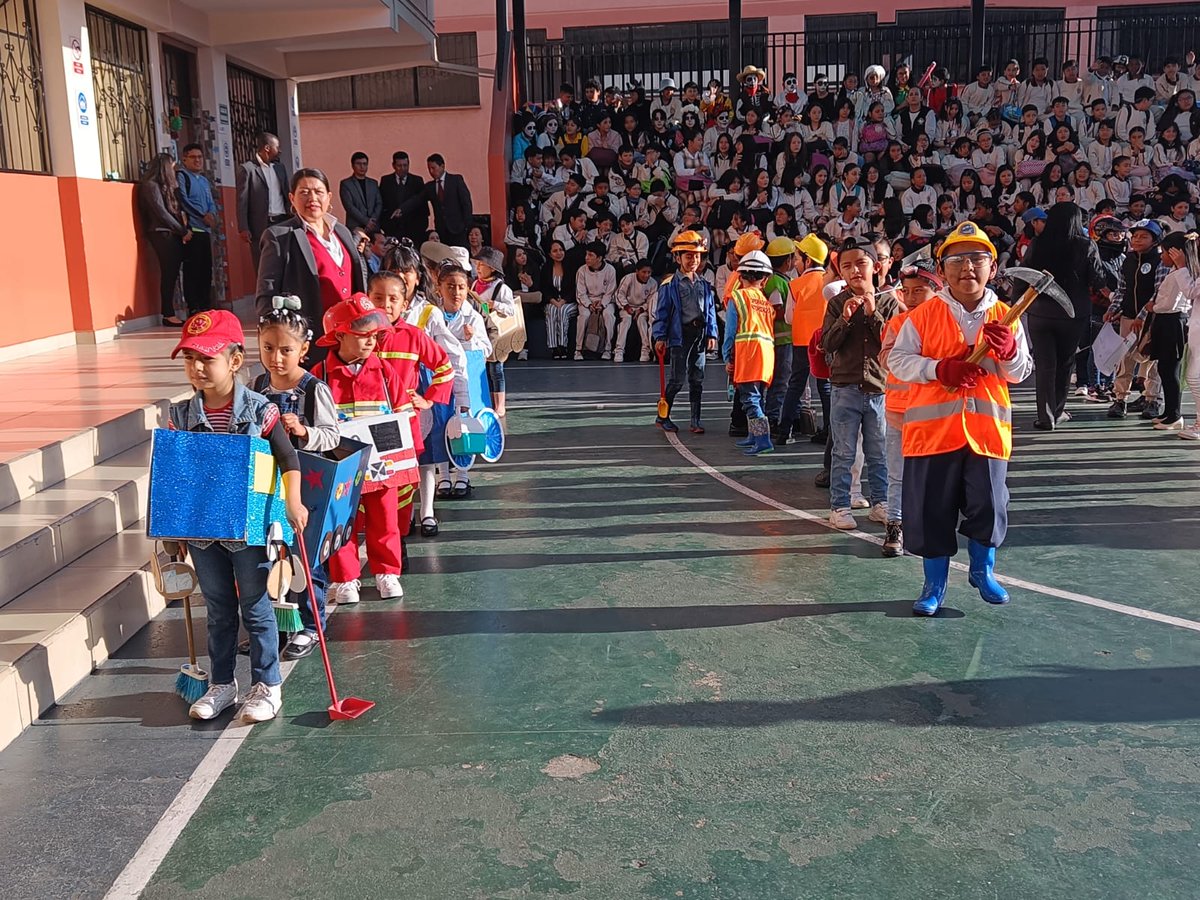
{"x": 334, "y": 280}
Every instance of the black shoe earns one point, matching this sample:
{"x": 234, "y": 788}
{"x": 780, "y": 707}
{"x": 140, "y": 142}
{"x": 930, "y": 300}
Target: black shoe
{"x": 822, "y": 479}
{"x": 403, "y": 555}
{"x": 779, "y": 438}
{"x": 821, "y": 438}
{"x": 738, "y": 432}
{"x": 1043, "y": 426}
{"x": 1119, "y": 410}
{"x": 172, "y": 322}
{"x": 1153, "y": 410}
{"x": 300, "y": 650}
{"x": 429, "y": 526}
{"x": 1138, "y": 405}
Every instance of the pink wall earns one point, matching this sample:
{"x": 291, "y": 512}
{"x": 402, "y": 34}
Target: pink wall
{"x": 460, "y": 135}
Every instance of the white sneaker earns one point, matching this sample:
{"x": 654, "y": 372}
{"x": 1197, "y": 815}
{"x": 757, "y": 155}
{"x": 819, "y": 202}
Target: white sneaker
{"x": 389, "y": 587}
{"x": 645, "y": 357}
{"x": 217, "y": 699}
{"x": 578, "y": 356}
{"x": 1191, "y": 433}
{"x": 262, "y": 703}
{"x": 879, "y": 513}
{"x": 1081, "y": 392}
{"x": 618, "y": 359}
{"x": 342, "y": 592}
{"x": 606, "y": 355}
{"x": 842, "y": 518}
{"x": 860, "y": 503}
{"x": 523, "y": 356}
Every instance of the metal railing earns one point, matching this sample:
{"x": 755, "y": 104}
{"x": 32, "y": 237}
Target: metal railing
{"x": 124, "y": 108}
{"x": 252, "y": 110}
{"x": 23, "y": 144}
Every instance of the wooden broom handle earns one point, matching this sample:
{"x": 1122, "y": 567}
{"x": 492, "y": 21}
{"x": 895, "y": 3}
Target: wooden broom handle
{"x": 1013, "y": 315}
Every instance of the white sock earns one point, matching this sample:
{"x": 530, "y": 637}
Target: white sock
{"x": 428, "y": 486}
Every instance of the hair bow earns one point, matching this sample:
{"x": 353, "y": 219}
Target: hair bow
{"x": 286, "y": 301}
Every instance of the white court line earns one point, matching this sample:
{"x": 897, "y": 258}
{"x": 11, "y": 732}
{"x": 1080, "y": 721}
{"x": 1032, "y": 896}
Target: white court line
{"x": 162, "y": 837}
{"x": 1134, "y": 611}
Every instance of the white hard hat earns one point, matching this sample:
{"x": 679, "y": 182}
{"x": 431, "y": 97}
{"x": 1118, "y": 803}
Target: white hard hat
{"x": 755, "y": 262}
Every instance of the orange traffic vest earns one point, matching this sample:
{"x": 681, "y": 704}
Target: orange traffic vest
{"x": 808, "y": 305}
{"x": 754, "y": 343}
{"x": 896, "y": 395}
{"x": 941, "y": 419}
{"x": 731, "y": 285}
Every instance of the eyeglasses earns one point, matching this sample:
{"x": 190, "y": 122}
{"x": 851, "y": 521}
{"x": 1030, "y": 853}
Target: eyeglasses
{"x": 959, "y": 261}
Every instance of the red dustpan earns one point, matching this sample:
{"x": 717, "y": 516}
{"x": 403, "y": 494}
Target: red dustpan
{"x": 345, "y": 707}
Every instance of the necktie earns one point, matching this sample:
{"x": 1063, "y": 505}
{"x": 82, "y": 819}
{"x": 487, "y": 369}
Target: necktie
{"x": 441, "y": 191}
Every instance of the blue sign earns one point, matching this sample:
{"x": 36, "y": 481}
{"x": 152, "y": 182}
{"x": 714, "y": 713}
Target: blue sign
{"x": 83, "y": 120}
{"x": 82, "y": 102}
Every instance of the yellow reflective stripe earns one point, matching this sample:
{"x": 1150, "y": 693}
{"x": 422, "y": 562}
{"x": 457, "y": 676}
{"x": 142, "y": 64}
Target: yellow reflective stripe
{"x": 897, "y": 386}
{"x": 397, "y": 354}
{"x": 976, "y": 405}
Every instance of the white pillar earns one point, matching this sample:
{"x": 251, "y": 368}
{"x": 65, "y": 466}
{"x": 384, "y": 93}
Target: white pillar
{"x": 158, "y": 98}
{"x": 288, "y": 104}
{"x": 70, "y": 93}
{"x": 213, "y": 77}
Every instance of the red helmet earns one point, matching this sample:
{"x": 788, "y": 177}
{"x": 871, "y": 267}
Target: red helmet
{"x": 357, "y": 315}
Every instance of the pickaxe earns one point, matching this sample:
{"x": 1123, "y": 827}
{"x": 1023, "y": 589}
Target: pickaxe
{"x": 1039, "y": 283}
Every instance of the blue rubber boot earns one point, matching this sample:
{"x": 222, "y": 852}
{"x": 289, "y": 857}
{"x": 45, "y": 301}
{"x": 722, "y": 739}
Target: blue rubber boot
{"x": 760, "y": 433}
{"x": 745, "y": 442}
{"x": 983, "y": 560}
{"x": 937, "y": 573}
{"x": 666, "y": 424}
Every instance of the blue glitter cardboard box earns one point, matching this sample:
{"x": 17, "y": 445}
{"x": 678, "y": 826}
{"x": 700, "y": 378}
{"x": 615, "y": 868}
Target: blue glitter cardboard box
{"x": 205, "y": 486}
{"x": 331, "y": 485}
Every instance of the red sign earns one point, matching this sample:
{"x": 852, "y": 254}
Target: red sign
{"x": 78, "y": 68}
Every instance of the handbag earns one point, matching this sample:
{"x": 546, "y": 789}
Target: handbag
{"x": 595, "y": 336}
{"x": 1031, "y": 168}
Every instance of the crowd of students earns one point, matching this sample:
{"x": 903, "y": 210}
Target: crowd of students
{"x": 606, "y": 182}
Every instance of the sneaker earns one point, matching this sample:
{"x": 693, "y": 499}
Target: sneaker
{"x": 618, "y": 359}
{"x": 1152, "y": 410}
{"x": 842, "y": 518}
{"x": 860, "y": 503}
{"x": 1081, "y": 391}
{"x": 523, "y": 356}
{"x": 645, "y": 357}
{"x": 1138, "y": 405}
{"x": 1118, "y": 410}
{"x": 1175, "y": 425}
{"x": 389, "y": 587}
{"x": 262, "y": 703}
{"x": 878, "y": 513}
{"x": 822, "y": 479}
{"x": 217, "y": 699}
{"x": 343, "y": 592}
{"x": 1192, "y": 432}
{"x": 893, "y": 540}
{"x": 578, "y": 356}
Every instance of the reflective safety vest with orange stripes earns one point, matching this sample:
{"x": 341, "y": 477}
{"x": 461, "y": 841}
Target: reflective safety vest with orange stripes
{"x": 808, "y": 305}
{"x": 895, "y": 396}
{"x": 754, "y": 342}
{"x": 939, "y": 419}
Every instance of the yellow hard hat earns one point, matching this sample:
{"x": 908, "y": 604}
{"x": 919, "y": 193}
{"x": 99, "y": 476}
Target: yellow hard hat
{"x": 781, "y": 246}
{"x": 814, "y": 248}
{"x": 748, "y": 243}
{"x": 967, "y": 233}
{"x": 689, "y": 241}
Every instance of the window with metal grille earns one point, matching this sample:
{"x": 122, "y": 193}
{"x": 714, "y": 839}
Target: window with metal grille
{"x": 422, "y": 87}
{"x": 251, "y": 110}
{"x": 23, "y": 144}
{"x": 124, "y": 109}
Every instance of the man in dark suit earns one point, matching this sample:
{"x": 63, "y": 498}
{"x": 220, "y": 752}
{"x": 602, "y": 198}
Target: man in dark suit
{"x": 360, "y": 196}
{"x": 396, "y": 189}
{"x": 451, "y": 203}
{"x": 262, "y": 192}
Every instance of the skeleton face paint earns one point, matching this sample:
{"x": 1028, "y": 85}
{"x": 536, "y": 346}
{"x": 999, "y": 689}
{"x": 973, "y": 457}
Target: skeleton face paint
{"x": 552, "y": 126}
{"x": 529, "y": 130}
{"x": 789, "y": 83}
{"x": 723, "y": 119}
{"x": 752, "y": 82}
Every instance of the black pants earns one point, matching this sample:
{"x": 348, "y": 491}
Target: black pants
{"x": 687, "y": 363}
{"x": 940, "y": 488}
{"x": 197, "y": 272}
{"x": 169, "y": 250}
{"x": 1168, "y": 340}
{"x": 1054, "y": 344}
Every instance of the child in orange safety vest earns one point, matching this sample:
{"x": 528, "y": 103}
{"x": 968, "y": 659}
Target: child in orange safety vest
{"x": 918, "y": 283}
{"x": 805, "y": 311}
{"x": 749, "y": 348}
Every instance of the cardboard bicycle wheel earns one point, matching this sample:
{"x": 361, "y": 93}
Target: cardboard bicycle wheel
{"x": 493, "y": 435}
{"x": 462, "y": 461}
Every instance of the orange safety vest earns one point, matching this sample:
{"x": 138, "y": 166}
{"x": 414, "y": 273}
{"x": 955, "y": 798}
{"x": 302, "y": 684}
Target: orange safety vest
{"x": 754, "y": 343}
{"x": 731, "y": 285}
{"x": 808, "y": 305}
{"x": 941, "y": 419}
{"x": 896, "y": 394}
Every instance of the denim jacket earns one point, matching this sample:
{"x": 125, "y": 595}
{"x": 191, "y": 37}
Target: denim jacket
{"x": 668, "y": 319}
{"x": 248, "y": 417}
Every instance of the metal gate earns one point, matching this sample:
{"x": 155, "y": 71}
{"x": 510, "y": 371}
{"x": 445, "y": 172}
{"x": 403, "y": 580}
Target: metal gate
{"x": 23, "y": 146}
{"x": 124, "y": 108}
{"x": 251, "y": 110}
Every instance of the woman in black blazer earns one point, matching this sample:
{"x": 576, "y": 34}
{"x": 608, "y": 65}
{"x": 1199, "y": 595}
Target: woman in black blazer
{"x": 311, "y": 255}
{"x": 557, "y": 285}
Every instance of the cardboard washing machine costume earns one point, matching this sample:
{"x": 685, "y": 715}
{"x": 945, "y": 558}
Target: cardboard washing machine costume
{"x": 958, "y": 424}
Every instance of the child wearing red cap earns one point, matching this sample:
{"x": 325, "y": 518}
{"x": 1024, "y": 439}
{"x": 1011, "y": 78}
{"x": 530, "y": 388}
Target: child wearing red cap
{"x": 233, "y": 576}
{"x": 363, "y": 384}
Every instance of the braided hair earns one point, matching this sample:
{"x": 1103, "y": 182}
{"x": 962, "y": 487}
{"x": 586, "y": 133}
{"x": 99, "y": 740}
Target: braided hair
{"x": 285, "y": 313}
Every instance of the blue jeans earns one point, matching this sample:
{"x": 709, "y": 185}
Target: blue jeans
{"x": 317, "y": 598}
{"x": 895, "y": 471}
{"x": 234, "y": 581}
{"x": 752, "y": 395}
{"x": 779, "y": 382}
{"x": 851, "y": 410}
{"x": 797, "y": 382}
{"x": 495, "y": 377}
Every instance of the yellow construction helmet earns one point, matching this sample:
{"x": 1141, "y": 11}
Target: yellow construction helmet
{"x": 781, "y": 246}
{"x": 967, "y": 233}
{"x": 748, "y": 243}
{"x": 814, "y": 248}
{"x": 689, "y": 242}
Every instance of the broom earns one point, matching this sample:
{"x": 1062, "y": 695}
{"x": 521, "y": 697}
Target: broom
{"x": 192, "y": 682}
{"x": 279, "y": 584}
{"x": 664, "y": 408}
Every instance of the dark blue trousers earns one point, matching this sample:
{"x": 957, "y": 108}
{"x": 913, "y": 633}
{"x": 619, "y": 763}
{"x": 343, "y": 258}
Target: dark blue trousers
{"x": 939, "y": 489}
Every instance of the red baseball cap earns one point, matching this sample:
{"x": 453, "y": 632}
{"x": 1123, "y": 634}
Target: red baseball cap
{"x": 210, "y": 332}
{"x": 357, "y": 315}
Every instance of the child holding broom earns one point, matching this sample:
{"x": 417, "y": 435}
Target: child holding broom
{"x": 232, "y": 575}
{"x": 310, "y": 418}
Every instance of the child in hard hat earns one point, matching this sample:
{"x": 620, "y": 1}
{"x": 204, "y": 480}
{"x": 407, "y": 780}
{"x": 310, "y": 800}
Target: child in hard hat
{"x": 803, "y": 311}
{"x": 749, "y": 347}
{"x": 781, "y": 251}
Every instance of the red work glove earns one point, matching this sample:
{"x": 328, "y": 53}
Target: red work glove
{"x": 958, "y": 373}
{"x": 1001, "y": 339}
